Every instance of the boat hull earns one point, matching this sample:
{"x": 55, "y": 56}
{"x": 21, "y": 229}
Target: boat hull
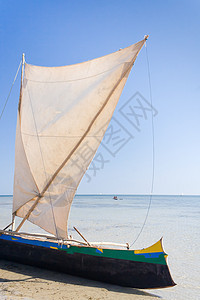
{"x": 122, "y": 272}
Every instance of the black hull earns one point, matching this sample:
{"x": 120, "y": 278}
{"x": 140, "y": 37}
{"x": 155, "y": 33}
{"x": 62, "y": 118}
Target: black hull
{"x": 115, "y": 271}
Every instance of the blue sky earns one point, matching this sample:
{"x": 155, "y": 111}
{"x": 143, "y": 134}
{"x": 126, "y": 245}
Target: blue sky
{"x": 55, "y": 33}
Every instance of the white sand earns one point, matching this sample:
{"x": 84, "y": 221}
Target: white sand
{"x": 25, "y": 282}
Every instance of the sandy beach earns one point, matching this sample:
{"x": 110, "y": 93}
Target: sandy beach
{"x": 24, "y": 282}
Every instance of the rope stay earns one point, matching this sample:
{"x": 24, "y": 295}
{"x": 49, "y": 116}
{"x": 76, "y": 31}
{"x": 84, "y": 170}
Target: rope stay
{"x": 153, "y": 151}
{"x": 10, "y": 91}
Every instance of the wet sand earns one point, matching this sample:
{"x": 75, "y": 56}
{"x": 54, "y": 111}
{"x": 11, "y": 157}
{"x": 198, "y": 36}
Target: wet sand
{"x": 24, "y": 282}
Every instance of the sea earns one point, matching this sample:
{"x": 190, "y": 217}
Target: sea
{"x": 175, "y": 218}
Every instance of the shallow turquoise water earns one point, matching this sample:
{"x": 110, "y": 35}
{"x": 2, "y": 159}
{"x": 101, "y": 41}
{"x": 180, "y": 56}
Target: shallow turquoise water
{"x": 176, "y": 218}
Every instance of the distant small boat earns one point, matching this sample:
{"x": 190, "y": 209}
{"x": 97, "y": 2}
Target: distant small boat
{"x": 115, "y": 198}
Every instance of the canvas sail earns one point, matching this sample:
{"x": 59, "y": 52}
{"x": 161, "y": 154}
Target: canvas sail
{"x": 63, "y": 115}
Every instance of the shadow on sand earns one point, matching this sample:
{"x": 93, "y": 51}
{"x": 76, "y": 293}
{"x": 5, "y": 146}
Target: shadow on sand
{"x": 42, "y": 274}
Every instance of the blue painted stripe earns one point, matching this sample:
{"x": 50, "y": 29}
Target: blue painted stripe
{"x": 31, "y": 242}
{"x": 150, "y": 255}
{"x": 99, "y": 251}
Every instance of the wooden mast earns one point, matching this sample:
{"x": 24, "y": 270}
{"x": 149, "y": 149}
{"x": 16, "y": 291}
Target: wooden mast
{"x": 20, "y": 97}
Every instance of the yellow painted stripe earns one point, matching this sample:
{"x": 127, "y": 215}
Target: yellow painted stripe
{"x": 101, "y": 250}
{"x": 157, "y": 247}
{"x": 53, "y": 247}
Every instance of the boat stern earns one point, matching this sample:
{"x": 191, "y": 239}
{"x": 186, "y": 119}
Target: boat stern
{"x": 155, "y": 264}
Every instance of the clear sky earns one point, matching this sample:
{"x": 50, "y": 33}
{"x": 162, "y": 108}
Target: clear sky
{"x": 55, "y": 33}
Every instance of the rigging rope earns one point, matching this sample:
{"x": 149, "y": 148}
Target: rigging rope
{"x": 10, "y": 91}
{"x": 153, "y": 150}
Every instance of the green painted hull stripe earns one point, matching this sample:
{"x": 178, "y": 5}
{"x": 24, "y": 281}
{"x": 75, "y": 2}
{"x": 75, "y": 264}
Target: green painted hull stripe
{"x": 154, "y": 258}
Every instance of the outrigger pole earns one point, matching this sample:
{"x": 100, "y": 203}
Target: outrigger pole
{"x": 82, "y": 236}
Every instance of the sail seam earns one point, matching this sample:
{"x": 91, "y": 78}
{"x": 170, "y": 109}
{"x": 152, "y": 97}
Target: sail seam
{"x": 78, "y": 79}
{"x": 61, "y": 136}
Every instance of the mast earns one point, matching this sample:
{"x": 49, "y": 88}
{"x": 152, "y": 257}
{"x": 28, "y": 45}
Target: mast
{"x": 22, "y": 75}
{"x": 20, "y": 97}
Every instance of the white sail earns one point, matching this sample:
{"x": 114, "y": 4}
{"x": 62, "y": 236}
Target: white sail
{"x": 62, "y": 119}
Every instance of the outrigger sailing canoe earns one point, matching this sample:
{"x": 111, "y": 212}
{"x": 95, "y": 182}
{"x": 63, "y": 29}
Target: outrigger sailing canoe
{"x": 62, "y": 111}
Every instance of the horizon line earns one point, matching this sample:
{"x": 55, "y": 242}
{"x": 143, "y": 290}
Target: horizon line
{"x": 118, "y": 194}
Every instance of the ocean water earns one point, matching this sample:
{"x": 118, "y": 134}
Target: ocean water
{"x": 175, "y": 218}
